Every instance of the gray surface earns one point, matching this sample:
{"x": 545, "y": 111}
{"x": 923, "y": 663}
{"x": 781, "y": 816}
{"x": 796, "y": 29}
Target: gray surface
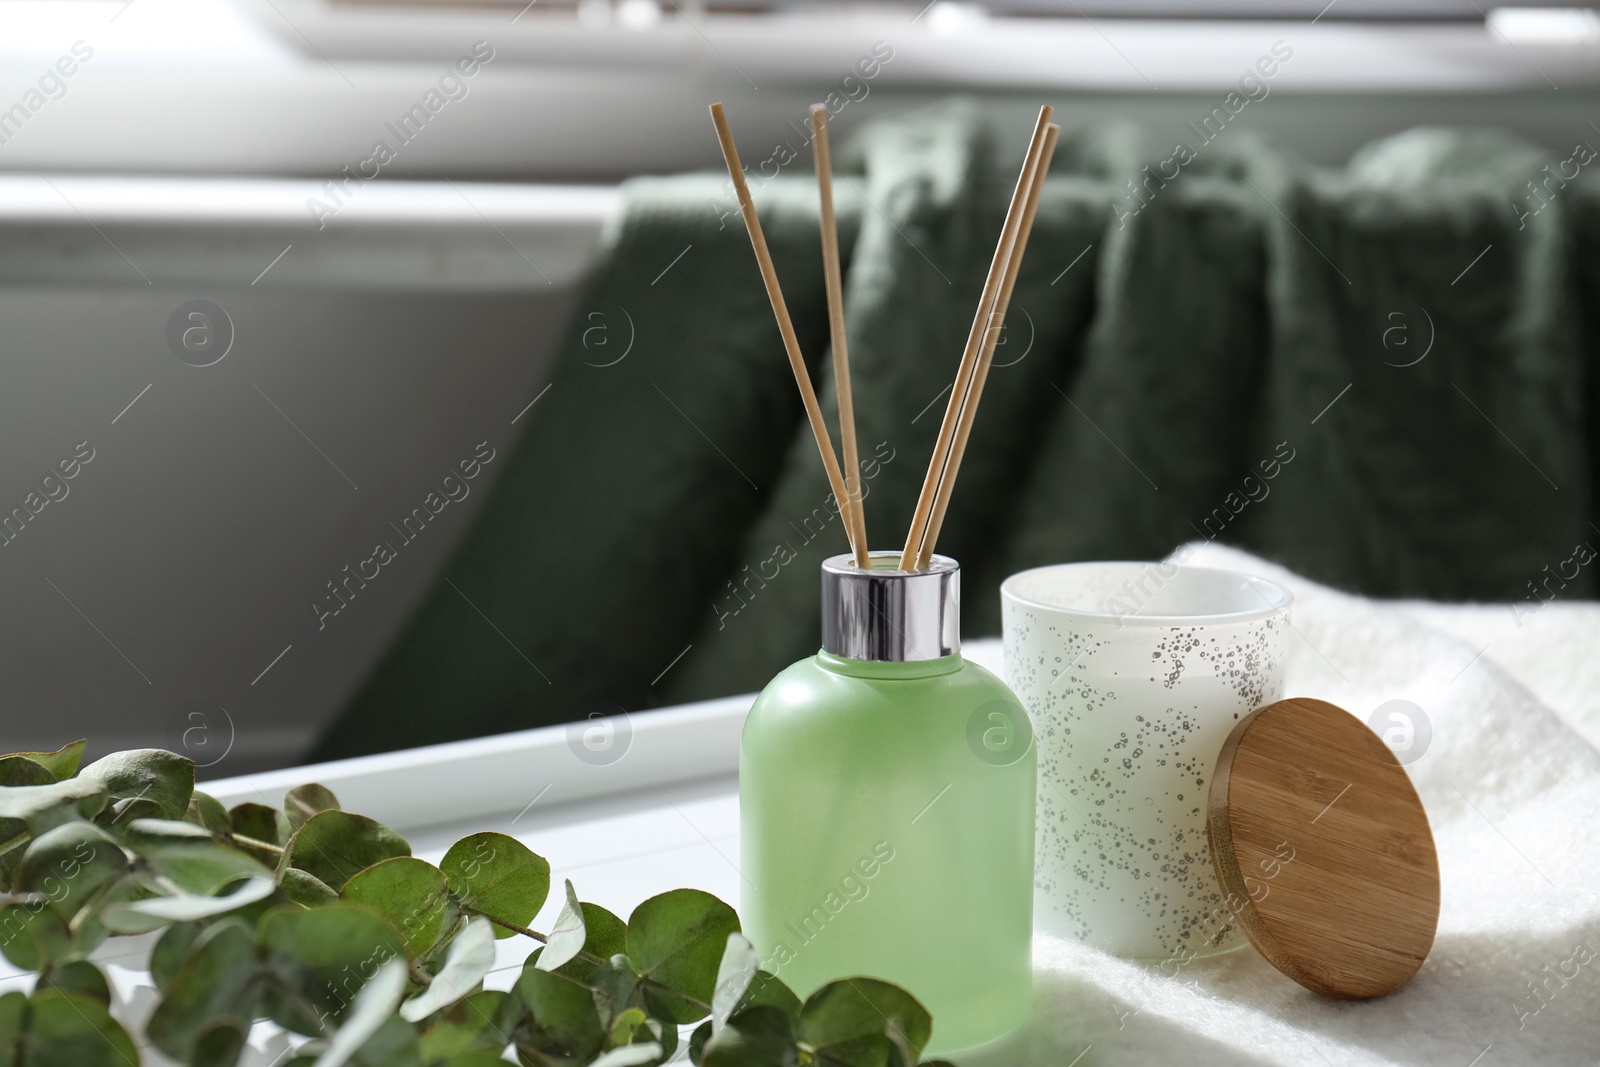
{"x": 193, "y": 544}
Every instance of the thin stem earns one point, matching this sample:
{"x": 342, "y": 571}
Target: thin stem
{"x": 523, "y": 930}
{"x": 16, "y": 842}
{"x": 251, "y": 842}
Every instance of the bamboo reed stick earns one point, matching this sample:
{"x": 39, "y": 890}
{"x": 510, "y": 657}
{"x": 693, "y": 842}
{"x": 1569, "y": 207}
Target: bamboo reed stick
{"x": 769, "y": 275}
{"x": 969, "y": 408}
{"x": 916, "y": 536}
{"x": 854, "y": 510}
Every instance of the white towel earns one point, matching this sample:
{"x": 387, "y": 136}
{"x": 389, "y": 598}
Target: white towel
{"x": 1511, "y": 783}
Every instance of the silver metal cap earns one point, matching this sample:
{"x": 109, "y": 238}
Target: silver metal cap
{"x": 889, "y": 615}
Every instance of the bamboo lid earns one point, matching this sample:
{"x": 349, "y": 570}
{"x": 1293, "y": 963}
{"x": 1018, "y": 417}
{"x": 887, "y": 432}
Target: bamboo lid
{"x": 1323, "y": 849}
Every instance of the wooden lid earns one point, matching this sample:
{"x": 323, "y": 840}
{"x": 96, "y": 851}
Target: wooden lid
{"x": 1323, "y": 849}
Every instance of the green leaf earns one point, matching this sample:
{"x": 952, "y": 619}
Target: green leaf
{"x": 734, "y": 975}
{"x": 842, "y": 1012}
{"x": 43, "y": 807}
{"x": 566, "y": 1025}
{"x": 677, "y": 940}
{"x": 482, "y": 1022}
{"x": 62, "y": 763}
{"x": 20, "y": 770}
{"x": 471, "y": 1059}
{"x": 498, "y": 876}
{"x": 68, "y": 864}
{"x": 754, "y": 1037}
{"x": 607, "y": 937}
{"x": 189, "y": 855}
{"x": 412, "y": 894}
{"x": 304, "y": 801}
{"x": 13, "y": 1017}
{"x": 617, "y": 990}
{"x": 219, "y": 1044}
{"x": 394, "y": 1045}
{"x": 207, "y": 811}
{"x": 142, "y": 916}
{"x": 567, "y": 937}
{"x": 220, "y": 978}
{"x": 165, "y": 779}
{"x": 304, "y": 889}
{"x": 259, "y": 822}
{"x": 373, "y": 1005}
{"x": 334, "y": 845}
{"x": 64, "y": 1029}
{"x": 80, "y": 977}
{"x": 170, "y": 952}
{"x": 470, "y": 957}
{"x": 768, "y": 990}
{"x": 33, "y": 937}
{"x": 326, "y": 953}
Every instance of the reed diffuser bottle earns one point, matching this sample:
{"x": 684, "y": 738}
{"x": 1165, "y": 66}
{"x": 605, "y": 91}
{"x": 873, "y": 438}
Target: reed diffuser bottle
{"x": 886, "y": 794}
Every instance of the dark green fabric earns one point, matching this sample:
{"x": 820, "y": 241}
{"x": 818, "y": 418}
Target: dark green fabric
{"x": 1171, "y": 344}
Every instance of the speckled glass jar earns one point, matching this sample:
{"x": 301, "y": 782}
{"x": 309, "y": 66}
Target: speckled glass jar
{"x": 1134, "y": 674}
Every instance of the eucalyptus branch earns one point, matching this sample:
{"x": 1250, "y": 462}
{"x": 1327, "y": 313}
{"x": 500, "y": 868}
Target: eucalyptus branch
{"x": 222, "y": 962}
{"x": 16, "y": 842}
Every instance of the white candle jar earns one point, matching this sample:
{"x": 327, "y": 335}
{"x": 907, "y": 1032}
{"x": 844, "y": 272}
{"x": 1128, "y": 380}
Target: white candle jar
{"x": 1134, "y": 675}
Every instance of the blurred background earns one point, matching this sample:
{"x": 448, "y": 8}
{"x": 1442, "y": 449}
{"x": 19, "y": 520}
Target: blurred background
{"x": 259, "y": 342}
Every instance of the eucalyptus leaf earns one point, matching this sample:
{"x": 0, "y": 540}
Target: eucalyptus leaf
{"x": 63, "y": 762}
{"x": 630, "y": 1055}
{"x": 768, "y": 990}
{"x": 565, "y": 1024}
{"x": 754, "y": 1037}
{"x": 64, "y": 1029}
{"x": 141, "y": 916}
{"x": 170, "y": 952}
{"x": 617, "y": 989}
{"x": 304, "y": 889}
{"x": 163, "y": 778}
{"x": 207, "y": 811}
{"x": 856, "y": 1008}
{"x": 189, "y": 855}
{"x": 21, "y": 770}
{"x": 607, "y": 937}
{"x": 304, "y": 801}
{"x": 68, "y": 864}
{"x": 333, "y": 845}
{"x": 394, "y": 1045}
{"x": 499, "y": 877}
{"x": 471, "y": 1059}
{"x": 412, "y": 894}
{"x": 78, "y": 976}
{"x": 32, "y": 937}
{"x": 567, "y": 936}
{"x": 373, "y": 1005}
{"x": 128, "y": 809}
{"x": 220, "y": 1044}
{"x": 221, "y": 977}
{"x": 481, "y": 1022}
{"x": 326, "y": 954}
{"x": 13, "y": 1017}
{"x": 677, "y": 940}
{"x": 260, "y": 823}
{"x": 43, "y": 807}
{"x": 734, "y": 974}
{"x": 470, "y": 957}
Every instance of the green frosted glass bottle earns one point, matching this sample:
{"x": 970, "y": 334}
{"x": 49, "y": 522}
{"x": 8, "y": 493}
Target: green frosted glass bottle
{"x": 886, "y": 801}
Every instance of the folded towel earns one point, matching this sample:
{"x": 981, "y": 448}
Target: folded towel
{"x": 1511, "y": 783}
